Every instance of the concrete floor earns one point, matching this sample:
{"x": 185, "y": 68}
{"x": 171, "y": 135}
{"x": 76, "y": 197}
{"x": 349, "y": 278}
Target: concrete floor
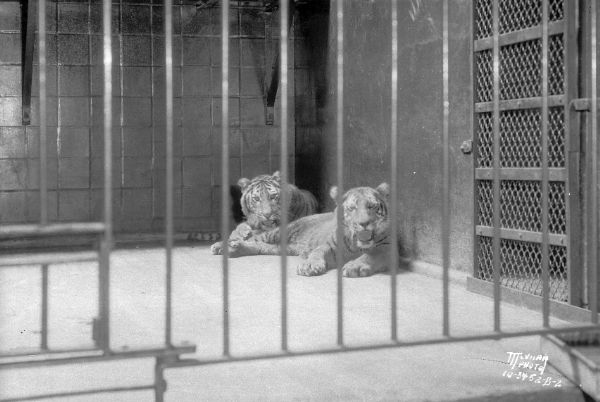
{"x": 461, "y": 371}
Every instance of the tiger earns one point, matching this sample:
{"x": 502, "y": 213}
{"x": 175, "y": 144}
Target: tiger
{"x": 261, "y": 205}
{"x": 366, "y": 241}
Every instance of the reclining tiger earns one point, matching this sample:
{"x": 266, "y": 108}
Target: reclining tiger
{"x": 261, "y": 206}
{"x": 366, "y": 246}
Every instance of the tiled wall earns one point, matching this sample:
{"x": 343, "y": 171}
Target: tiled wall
{"x": 75, "y": 85}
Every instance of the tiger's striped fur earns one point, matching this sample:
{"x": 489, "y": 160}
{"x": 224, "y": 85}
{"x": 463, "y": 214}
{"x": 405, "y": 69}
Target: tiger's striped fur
{"x": 366, "y": 236}
{"x": 261, "y": 205}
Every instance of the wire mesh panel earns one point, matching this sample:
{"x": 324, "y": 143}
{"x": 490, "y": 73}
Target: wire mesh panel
{"x": 521, "y": 266}
{"x": 521, "y": 140}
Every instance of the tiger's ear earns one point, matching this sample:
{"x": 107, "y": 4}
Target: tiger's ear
{"x": 333, "y": 193}
{"x": 277, "y": 175}
{"x": 384, "y": 189}
{"x": 243, "y": 182}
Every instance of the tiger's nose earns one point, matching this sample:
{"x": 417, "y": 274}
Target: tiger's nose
{"x": 364, "y": 224}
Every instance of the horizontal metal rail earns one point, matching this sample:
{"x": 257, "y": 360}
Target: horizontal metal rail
{"x": 535, "y": 174}
{"x": 94, "y": 355}
{"x": 55, "y": 229}
{"x": 523, "y": 103}
{"x": 14, "y": 260}
{"x": 391, "y": 344}
{"x": 521, "y": 235}
{"x": 81, "y": 393}
{"x": 37, "y": 353}
{"x": 554, "y": 28}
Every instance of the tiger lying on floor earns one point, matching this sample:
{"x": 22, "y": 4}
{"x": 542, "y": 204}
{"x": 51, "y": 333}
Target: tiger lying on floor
{"x": 261, "y": 206}
{"x": 366, "y": 236}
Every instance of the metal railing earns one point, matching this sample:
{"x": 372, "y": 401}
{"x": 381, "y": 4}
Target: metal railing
{"x": 168, "y": 355}
{"x": 102, "y": 350}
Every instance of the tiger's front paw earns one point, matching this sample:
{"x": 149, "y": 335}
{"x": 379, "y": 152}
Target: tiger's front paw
{"x": 234, "y": 243}
{"x": 312, "y": 267}
{"x": 244, "y": 231}
{"x": 217, "y": 248}
{"x": 356, "y": 268}
{"x": 239, "y": 248}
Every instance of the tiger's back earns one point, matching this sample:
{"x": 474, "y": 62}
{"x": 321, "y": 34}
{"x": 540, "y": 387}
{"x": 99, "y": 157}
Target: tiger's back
{"x": 306, "y": 232}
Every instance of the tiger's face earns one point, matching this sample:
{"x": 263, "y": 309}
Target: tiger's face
{"x": 365, "y": 211}
{"x": 260, "y": 201}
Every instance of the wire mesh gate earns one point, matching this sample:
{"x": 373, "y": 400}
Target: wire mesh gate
{"x": 522, "y": 177}
{"x": 523, "y": 136}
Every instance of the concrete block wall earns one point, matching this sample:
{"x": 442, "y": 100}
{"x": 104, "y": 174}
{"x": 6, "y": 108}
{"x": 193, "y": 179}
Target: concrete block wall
{"x": 75, "y": 113}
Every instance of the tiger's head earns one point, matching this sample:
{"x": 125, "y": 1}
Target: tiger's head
{"x": 260, "y": 201}
{"x": 366, "y": 219}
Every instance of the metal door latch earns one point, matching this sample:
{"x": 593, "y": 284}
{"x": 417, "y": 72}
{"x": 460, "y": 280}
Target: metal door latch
{"x": 581, "y": 104}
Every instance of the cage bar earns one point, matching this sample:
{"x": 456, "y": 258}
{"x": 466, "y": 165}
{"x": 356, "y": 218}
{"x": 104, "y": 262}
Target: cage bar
{"x": 103, "y": 337}
{"x": 545, "y": 143}
{"x": 496, "y": 263}
{"x": 476, "y": 266}
{"x": 225, "y": 166}
{"x": 573, "y": 181}
{"x": 28, "y": 36}
{"x": 44, "y": 318}
{"x": 284, "y": 11}
{"x": 340, "y": 166}
{"x": 43, "y": 112}
{"x": 394, "y": 174}
{"x": 593, "y": 208}
{"x": 168, "y": 6}
{"x": 43, "y": 161}
{"x": 445, "y": 174}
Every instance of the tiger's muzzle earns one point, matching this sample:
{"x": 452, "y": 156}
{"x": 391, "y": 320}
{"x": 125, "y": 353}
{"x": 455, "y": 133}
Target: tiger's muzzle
{"x": 365, "y": 238}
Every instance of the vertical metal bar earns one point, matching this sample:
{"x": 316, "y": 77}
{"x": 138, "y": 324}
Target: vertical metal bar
{"x": 43, "y": 112}
{"x": 169, "y": 170}
{"x": 394, "y": 174}
{"x": 91, "y": 111}
{"x": 475, "y": 155}
{"x": 593, "y": 187}
{"x": 43, "y": 159}
{"x": 573, "y": 155}
{"x": 44, "y": 332}
{"x": 28, "y": 31}
{"x": 340, "y": 167}
{"x": 545, "y": 184}
{"x": 225, "y": 166}
{"x": 104, "y": 265}
{"x": 445, "y": 175}
{"x": 160, "y": 384}
{"x": 59, "y": 119}
{"x": 496, "y": 263}
{"x": 284, "y": 11}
